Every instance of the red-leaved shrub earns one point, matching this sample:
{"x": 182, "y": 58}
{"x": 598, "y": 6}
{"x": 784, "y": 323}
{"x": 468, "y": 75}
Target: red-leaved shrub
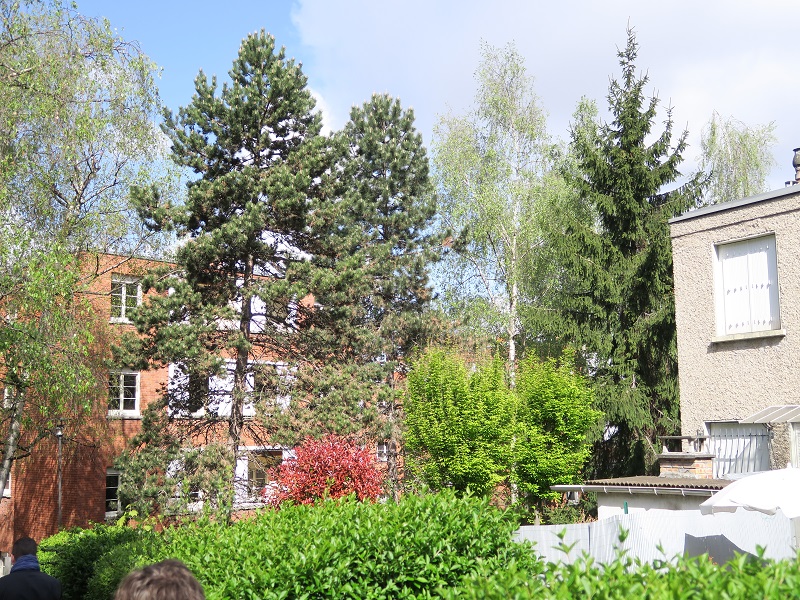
{"x": 330, "y": 467}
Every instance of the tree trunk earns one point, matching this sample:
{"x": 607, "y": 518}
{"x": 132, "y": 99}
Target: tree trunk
{"x": 12, "y": 437}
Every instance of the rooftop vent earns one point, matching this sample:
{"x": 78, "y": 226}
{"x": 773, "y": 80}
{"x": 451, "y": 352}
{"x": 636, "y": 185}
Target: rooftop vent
{"x": 796, "y": 165}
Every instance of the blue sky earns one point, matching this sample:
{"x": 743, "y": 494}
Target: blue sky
{"x": 732, "y": 56}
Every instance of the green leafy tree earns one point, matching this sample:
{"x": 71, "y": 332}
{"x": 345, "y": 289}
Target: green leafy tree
{"x": 459, "y": 423}
{"x": 76, "y": 128}
{"x": 47, "y": 372}
{"x": 497, "y": 184}
{"x": 556, "y": 422}
{"x": 616, "y": 294}
{"x": 77, "y": 123}
{"x": 467, "y": 429}
{"x": 736, "y": 158}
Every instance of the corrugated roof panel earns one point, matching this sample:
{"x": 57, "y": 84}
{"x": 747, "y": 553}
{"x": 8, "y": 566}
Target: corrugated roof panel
{"x": 783, "y": 413}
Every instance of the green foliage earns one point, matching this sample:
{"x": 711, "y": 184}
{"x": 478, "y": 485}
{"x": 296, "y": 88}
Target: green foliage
{"x": 467, "y": 429}
{"x": 497, "y": 182}
{"x": 299, "y": 248}
{"x": 616, "y": 290}
{"x": 347, "y": 549}
{"x": 433, "y": 546}
{"x": 77, "y": 108}
{"x": 555, "y": 421}
{"x": 77, "y": 124}
{"x": 74, "y": 556}
{"x": 119, "y": 560}
{"x": 459, "y": 424}
{"x": 737, "y": 158}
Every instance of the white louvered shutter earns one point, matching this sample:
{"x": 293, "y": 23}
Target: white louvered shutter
{"x": 736, "y": 288}
{"x": 763, "y": 285}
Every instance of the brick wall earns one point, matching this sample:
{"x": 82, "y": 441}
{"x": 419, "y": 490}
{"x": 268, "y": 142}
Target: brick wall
{"x": 686, "y": 464}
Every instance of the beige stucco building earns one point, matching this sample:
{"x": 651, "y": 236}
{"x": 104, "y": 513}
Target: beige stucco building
{"x": 737, "y": 281}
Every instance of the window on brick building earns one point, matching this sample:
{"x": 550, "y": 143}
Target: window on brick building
{"x": 385, "y": 449}
{"x": 258, "y": 465}
{"x": 123, "y": 394}
{"x": 126, "y": 295}
{"x": 112, "y": 493}
{"x": 7, "y": 486}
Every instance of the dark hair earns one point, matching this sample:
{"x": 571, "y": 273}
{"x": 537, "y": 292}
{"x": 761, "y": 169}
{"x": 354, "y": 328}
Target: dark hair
{"x": 23, "y": 546}
{"x": 166, "y": 580}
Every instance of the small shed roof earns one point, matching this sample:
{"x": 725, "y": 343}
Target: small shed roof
{"x": 643, "y": 484}
{"x": 782, "y": 413}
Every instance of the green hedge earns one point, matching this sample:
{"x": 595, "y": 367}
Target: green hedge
{"x": 73, "y": 555}
{"x": 349, "y": 549}
{"x": 434, "y": 546}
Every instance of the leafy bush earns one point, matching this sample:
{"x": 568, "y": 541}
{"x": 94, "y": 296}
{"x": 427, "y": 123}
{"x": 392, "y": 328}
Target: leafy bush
{"x": 434, "y": 546}
{"x": 331, "y": 467}
{"x": 347, "y": 549}
{"x": 118, "y": 561}
{"x": 72, "y": 555}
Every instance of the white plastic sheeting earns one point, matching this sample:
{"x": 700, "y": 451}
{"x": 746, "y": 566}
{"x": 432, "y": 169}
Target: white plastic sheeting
{"x": 661, "y": 535}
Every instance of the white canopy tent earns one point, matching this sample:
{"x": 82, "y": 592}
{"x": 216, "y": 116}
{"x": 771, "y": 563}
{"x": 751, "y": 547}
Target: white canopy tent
{"x": 766, "y": 492}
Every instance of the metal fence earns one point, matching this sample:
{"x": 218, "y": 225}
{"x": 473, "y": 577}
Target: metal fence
{"x": 665, "y": 535}
{"x": 738, "y": 447}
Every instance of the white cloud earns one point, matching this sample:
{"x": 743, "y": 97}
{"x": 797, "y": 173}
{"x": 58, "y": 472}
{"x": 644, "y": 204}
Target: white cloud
{"x": 733, "y": 56}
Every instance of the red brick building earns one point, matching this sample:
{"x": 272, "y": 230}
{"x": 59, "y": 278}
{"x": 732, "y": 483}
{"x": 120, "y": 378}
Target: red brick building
{"x": 91, "y": 442}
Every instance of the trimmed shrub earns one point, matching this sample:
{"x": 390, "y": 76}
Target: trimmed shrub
{"x": 347, "y": 549}
{"x": 118, "y": 561}
{"x": 72, "y": 555}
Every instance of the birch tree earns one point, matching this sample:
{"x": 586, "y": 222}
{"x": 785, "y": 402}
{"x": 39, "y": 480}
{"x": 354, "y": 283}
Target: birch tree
{"x": 736, "y": 158}
{"x": 76, "y": 128}
{"x": 492, "y": 167}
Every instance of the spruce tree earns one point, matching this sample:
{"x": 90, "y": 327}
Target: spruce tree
{"x": 617, "y": 290}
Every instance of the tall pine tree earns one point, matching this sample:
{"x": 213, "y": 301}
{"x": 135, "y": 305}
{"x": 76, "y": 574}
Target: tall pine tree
{"x": 228, "y": 307}
{"x": 368, "y": 274}
{"x": 301, "y": 282}
{"x": 618, "y": 302}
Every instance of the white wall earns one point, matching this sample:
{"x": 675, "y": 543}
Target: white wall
{"x": 609, "y": 505}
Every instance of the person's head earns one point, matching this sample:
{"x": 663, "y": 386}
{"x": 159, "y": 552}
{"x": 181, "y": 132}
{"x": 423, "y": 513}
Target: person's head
{"x": 166, "y": 580}
{"x": 23, "y": 546}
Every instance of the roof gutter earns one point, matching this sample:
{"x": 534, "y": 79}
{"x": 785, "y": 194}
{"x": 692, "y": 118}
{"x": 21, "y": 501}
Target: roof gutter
{"x": 634, "y": 489}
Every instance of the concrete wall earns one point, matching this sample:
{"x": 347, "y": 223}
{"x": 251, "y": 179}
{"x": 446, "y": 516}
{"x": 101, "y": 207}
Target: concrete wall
{"x": 730, "y": 380}
{"x": 612, "y": 504}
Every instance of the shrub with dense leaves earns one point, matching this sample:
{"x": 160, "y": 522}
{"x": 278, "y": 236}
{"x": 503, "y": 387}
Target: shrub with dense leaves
{"x": 349, "y": 549}
{"x": 331, "y": 467}
{"x": 422, "y": 547}
{"x": 71, "y": 556}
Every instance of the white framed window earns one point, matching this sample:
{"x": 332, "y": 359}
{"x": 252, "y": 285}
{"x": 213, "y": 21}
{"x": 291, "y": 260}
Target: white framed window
{"x": 112, "y": 493}
{"x": 253, "y": 472}
{"x": 382, "y": 452}
{"x": 272, "y": 389}
{"x": 123, "y": 394}
{"x": 126, "y": 295}
{"x": 7, "y": 486}
{"x": 746, "y": 286}
{"x": 258, "y": 466}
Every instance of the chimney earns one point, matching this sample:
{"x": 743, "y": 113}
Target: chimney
{"x": 796, "y": 165}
